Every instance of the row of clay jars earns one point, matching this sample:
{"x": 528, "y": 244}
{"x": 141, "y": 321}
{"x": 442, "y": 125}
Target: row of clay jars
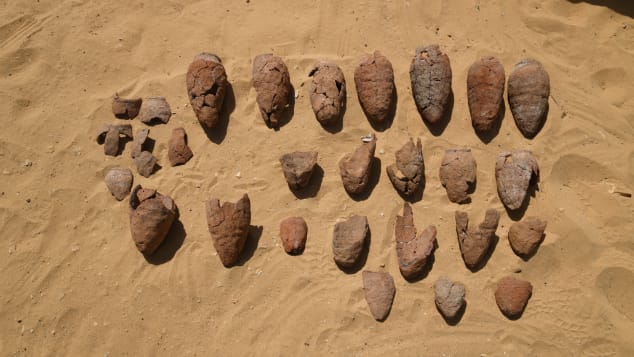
{"x": 511, "y": 296}
{"x": 152, "y": 215}
{"x": 515, "y": 171}
{"x": 430, "y": 74}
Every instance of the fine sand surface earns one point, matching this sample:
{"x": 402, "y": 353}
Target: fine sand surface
{"x": 73, "y": 283}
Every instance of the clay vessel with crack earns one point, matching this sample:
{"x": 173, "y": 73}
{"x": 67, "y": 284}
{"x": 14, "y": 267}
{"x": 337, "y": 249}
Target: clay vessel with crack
{"x": 327, "y": 92}
{"x": 206, "y": 86}
{"x": 272, "y": 85}
{"x": 408, "y": 173}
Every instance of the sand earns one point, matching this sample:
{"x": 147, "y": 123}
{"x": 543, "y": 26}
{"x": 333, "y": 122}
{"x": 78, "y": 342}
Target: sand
{"x": 73, "y": 283}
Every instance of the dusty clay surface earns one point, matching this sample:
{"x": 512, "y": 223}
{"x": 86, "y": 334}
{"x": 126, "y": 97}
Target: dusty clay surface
{"x": 155, "y": 110}
{"x": 529, "y": 89}
{"x": 512, "y": 295}
{"x": 327, "y": 92}
{"x": 298, "y": 168}
{"x": 206, "y": 81}
{"x": 449, "y": 297}
{"x": 379, "y": 293}
{"x": 349, "y": 239}
{"x": 374, "y": 79}
{"x": 430, "y": 74}
{"x": 119, "y": 182}
{"x": 526, "y": 236}
{"x": 293, "y": 232}
{"x": 485, "y": 92}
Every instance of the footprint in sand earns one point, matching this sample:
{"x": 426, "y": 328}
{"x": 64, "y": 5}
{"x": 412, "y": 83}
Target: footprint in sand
{"x": 617, "y": 285}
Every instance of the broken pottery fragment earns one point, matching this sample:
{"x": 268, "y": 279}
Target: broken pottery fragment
{"x": 374, "y": 79}
{"x": 458, "y": 172}
{"x": 119, "y": 182}
{"x": 412, "y": 250}
{"x": 512, "y": 295}
{"x": 177, "y": 150}
{"x": 126, "y": 108}
{"x": 485, "y": 93}
{"x": 151, "y": 216}
{"x": 515, "y": 171}
{"x": 349, "y": 240}
{"x": 449, "y": 297}
{"x": 145, "y": 163}
{"x": 327, "y": 92}
{"x": 206, "y": 86}
{"x": 430, "y": 73}
{"x": 155, "y": 110}
{"x": 528, "y": 91}
{"x": 379, "y": 293}
{"x": 110, "y": 135}
{"x": 293, "y": 232}
{"x": 273, "y": 87}
{"x": 229, "y": 227}
{"x": 139, "y": 143}
{"x": 298, "y": 168}
{"x": 408, "y": 174}
{"x": 355, "y": 168}
{"x": 526, "y": 236}
{"x": 475, "y": 243}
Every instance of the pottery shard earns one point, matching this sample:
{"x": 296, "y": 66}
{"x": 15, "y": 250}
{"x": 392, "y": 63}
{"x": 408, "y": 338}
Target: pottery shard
{"x": 145, "y": 163}
{"x": 485, "y": 92}
{"x": 379, "y": 293}
{"x": 139, "y": 143}
{"x": 293, "y": 232}
{"x": 298, "y": 168}
{"x": 151, "y": 216}
{"x": 449, "y": 297}
{"x": 273, "y": 87}
{"x": 110, "y": 135}
{"x": 515, "y": 171}
{"x": 374, "y": 79}
{"x": 349, "y": 239}
{"x": 408, "y": 174}
{"x": 119, "y": 182}
{"x": 328, "y": 92}
{"x": 177, "y": 150}
{"x": 155, "y": 110}
{"x": 526, "y": 236}
{"x": 430, "y": 73}
{"x": 229, "y": 227}
{"x": 458, "y": 172}
{"x": 126, "y": 108}
{"x": 475, "y": 243}
{"x": 412, "y": 250}
{"x": 512, "y": 295}
{"x": 528, "y": 91}
{"x": 355, "y": 168}
{"x": 206, "y": 86}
